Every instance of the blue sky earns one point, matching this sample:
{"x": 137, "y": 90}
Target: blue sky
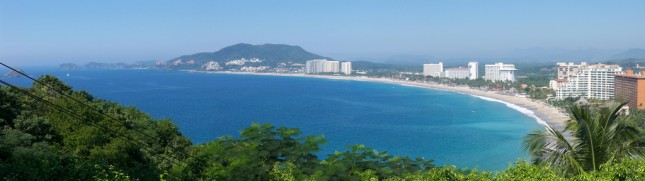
{"x": 51, "y": 32}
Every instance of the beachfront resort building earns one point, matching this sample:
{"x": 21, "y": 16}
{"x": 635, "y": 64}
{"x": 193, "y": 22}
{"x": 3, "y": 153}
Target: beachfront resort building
{"x": 630, "y": 87}
{"x": 473, "y": 70}
{"x": 314, "y": 66}
{"x": 566, "y": 70}
{"x": 434, "y": 70}
{"x": 346, "y": 68}
{"x": 437, "y": 70}
{"x": 499, "y": 72}
{"x": 322, "y": 66}
{"x": 331, "y": 66}
{"x": 586, "y": 80}
{"x": 457, "y": 73}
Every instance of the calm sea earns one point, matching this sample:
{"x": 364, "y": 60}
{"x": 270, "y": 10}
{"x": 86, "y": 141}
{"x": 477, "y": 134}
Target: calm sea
{"x": 447, "y": 127}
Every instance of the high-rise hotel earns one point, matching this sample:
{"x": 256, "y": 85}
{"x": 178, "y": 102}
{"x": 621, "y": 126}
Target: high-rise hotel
{"x": 588, "y": 80}
{"x": 457, "y": 73}
{"x": 346, "y": 68}
{"x": 473, "y": 70}
{"x": 327, "y": 66}
{"x": 434, "y": 70}
{"x": 630, "y": 87}
{"x": 499, "y": 72}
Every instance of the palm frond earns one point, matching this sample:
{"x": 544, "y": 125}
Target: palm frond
{"x": 590, "y": 138}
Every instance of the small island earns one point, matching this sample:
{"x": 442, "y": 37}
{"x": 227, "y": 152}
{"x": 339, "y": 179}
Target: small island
{"x": 13, "y": 73}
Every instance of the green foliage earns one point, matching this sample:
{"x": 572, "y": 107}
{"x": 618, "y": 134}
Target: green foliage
{"x": 597, "y": 136}
{"x": 263, "y": 152}
{"x": 9, "y": 106}
{"x": 625, "y": 169}
{"x": 257, "y": 150}
{"x": 109, "y": 173}
{"x": 359, "y": 159}
{"x": 39, "y": 141}
{"x": 537, "y": 74}
{"x": 525, "y": 171}
{"x": 285, "y": 172}
{"x": 638, "y": 122}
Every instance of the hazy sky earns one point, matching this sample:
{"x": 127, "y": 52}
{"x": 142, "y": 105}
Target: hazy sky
{"x": 51, "y": 32}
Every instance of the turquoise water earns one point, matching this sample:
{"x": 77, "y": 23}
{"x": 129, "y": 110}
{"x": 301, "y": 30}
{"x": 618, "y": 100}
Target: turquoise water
{"x": 447, "y": 127}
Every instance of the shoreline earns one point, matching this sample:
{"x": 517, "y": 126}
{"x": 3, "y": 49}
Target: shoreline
{"x": 543, "y": 113}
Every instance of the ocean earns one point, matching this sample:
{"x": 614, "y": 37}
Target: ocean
{"x": 450, "y": 128}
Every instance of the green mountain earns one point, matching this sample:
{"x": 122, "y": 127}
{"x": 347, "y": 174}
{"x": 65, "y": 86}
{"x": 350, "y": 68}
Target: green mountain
{"x": 271, "y": 54}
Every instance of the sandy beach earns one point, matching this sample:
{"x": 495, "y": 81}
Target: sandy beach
{"x": 542, "y": 112}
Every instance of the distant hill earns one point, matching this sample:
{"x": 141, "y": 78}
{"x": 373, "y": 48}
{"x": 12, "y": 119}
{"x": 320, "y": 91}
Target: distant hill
{"x": 69, "y": 66}
{"x": 557, "y": 54}
{"x": 97, "y": 65}
{"x": 628, "y": 62}
{"x": 271, "y": 54}
{"x": 13, "y": 73}
{"x": 631, "y": 53}
{"x": 240, "y": 57}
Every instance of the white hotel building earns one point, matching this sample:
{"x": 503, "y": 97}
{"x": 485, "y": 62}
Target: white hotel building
{"x": 473, "y": 70}
{"x": 591, "y": 81}
{"x": 500, "y": 72}
{"x": 434, "y": 70}
{"x": 457, "y": 73}
{"x": 327, "y": 66}
{"x": 331, "y": 66}
{"x": 346, "y": 68}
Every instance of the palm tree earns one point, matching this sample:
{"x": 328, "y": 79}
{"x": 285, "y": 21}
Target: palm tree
{"x": 592, "y": 137}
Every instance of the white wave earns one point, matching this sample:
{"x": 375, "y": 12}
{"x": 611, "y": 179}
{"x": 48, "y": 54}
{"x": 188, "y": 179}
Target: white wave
{"x": 410, "y": 85}
{"x": 521, "y": 109}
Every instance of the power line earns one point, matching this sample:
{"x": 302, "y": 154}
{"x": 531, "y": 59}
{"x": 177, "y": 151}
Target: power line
{"x": 123, "y": 122}
{"x": 80, "y": 119}
{"x": 81, "y": 102}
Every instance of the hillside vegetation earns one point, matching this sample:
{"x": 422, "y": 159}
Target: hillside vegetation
{"x": 53, "y": 132}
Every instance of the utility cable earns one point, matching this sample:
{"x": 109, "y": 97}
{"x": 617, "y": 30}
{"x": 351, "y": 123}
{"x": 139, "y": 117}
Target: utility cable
{"x": 80, "y": 119}
{"x": 124, "y": 123}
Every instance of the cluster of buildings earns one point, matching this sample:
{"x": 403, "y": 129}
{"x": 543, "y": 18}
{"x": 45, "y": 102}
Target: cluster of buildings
{"x": 243, "y": 61}
{"x": 328, "y": 66}
{"x": 591, "y": 81}
{"x": 585, "y": 80}
{"x": 254, "y": 69}
{"x": 493, "y": 72}
{"x": 600, "y": 81}
{"x": 211, "y": 66}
